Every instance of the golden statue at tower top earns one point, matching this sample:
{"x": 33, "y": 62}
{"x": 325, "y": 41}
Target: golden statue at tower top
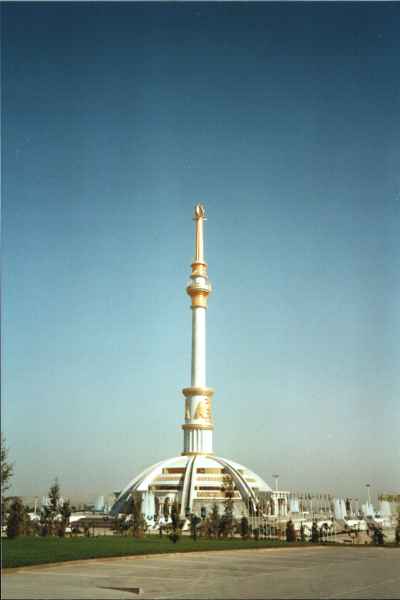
{"x": 199, "y": 212}
{"x": 199, "y": 217}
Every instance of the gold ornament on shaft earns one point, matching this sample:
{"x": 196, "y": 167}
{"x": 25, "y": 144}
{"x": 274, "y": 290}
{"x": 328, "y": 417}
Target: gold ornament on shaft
{"x": 203, "y": 410}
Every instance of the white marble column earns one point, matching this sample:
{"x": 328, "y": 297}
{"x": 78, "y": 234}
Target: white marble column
{"x": 198, "y": 426}
{"x": 198, "y": 378}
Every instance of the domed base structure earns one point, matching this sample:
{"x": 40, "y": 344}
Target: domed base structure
{"x": 194, "y": 482}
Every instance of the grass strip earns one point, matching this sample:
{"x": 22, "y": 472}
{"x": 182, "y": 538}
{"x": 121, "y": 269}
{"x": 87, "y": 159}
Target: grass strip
{"x": 27, "y": 551}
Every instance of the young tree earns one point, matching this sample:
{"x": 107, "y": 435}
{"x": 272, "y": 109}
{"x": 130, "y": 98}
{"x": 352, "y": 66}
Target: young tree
{"x": 48, "y": 519}
{"x": 226, "y": 522}
{"x": 302, "y": 533}
{"x": 45, "y": 522}
{"x": 54, "y": 497}
{"x": 29, "y": 527}
{"x": 138, "y": 522}
{"x": 176, "y": 522}
{"x": 397, "y": 532}
{"x": 16, "y": 519}
{"x": 378, "y": 537}
{"x": 244, "y": 527}
{"x": 314, "y": 533}
{"x": 65, "y": 511}
{"x": 118, "y": 525}
{"x": 290, "y": 531}
{"x": 7, "y": 470}
{"x": 213, "y": 521}
{"x": 194, "y": 522}
{"x": 86, "y": 529}
{"x": 156, "y": 508}
{"x": 166, "y": 509}
{"x": 203, "y": 526}
{"x": 323, "y": 533}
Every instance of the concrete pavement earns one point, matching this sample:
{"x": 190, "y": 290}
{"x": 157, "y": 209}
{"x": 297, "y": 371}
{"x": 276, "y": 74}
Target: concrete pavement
{"x": 311, "y": 572}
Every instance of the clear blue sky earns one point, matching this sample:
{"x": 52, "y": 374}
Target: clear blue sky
{"x": 284, "y": 119}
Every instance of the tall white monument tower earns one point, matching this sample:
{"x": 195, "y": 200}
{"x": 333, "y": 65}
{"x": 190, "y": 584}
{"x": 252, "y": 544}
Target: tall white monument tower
{"x": 196, "y": 478}
{"x": 198, "y": 427}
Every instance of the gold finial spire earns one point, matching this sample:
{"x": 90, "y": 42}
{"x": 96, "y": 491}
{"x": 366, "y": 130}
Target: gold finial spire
{"x": 199, "y": 217}
{"x": 199, "y": 211}
{"x": 199, "y": 287}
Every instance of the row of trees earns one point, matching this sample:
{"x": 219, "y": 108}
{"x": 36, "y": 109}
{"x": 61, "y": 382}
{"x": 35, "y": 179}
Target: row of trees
{"x": 134, "y": 522}
{"x": 54, "y": 518}
{"x": 212, "y": 526}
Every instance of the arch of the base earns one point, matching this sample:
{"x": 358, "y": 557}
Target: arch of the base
{"x": 247, "y": 493}
{"x": 192, "y": 481}
{"x": 141, "y": 483}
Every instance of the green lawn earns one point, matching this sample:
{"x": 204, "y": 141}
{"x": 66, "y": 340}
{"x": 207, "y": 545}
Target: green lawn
{"x": 23, "y": 551}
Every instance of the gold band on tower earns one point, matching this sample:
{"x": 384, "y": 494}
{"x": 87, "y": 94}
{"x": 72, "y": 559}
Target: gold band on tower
{"x": 198, "y": 391}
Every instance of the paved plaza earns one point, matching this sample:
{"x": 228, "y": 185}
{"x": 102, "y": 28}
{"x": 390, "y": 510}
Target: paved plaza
{"x": 268, "y": 573}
